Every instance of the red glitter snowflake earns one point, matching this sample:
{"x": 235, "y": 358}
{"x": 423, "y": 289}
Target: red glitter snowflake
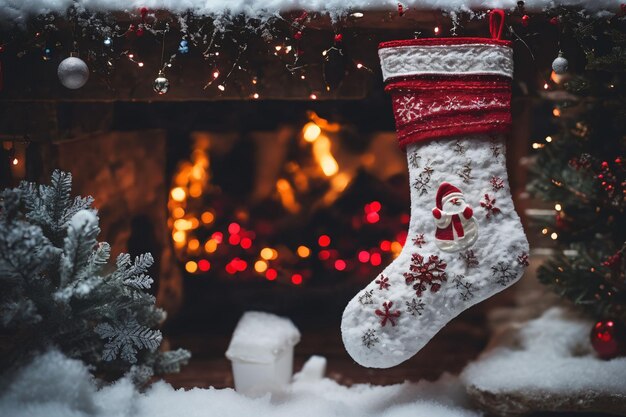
{"x": 490, "y": 206}
{"x": 423, "y": 274}
{"x": 383, "y": 283}
{"x": 419, "y": 240}
{"x": 497, "y": 183}
{"x": 388, "y": 315}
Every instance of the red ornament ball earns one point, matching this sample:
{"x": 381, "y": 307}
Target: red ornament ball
{"x": 525, "y": 20}
{"x": 338, "y": 38}
{"x": 554, "y": 21}
{"x": 298, "y": 35}
{"x": 608, "y": 339}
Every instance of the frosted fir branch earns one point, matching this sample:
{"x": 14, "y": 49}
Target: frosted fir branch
{"x": 171, "y": 361}
{"x": 78, "y": 246}
{"x": 125, "y": 339}
{"x": 24, "y": 252}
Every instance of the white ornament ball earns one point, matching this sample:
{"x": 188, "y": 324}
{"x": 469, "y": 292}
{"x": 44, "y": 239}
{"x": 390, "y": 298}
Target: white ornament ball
{"x": 73, "y": 72}
{"x": 559, "y": 65}
{"x": 161, "y": 84}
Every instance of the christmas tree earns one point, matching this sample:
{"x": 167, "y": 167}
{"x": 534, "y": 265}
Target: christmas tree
{"x": 58, "y": 291}
{"x": 581, "y": 168}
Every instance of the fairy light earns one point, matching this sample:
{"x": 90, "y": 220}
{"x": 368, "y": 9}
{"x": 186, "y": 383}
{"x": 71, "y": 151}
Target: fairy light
{"x": 554, "y": 236}
{"x": 178, "y": 194}
{"x": 15, "y": 161}
{"x": 303, "y": 251}
{"x": 178, "y": 212}
{"x": 323, "y": 241}
{"x": 193, "y": 244}
{"x": 538, "y": 145}
{"x": 255, "y": 96}
{"x": 357, "y": 15}
{"x": 207, "y": 217}
{"x": 544, "y": 231}
{"x": 221, "y": 87}
{"x": 271, "y": 274}
{"x": 558, "y": 207}
{"x": 313, "y": 96}
{"x": 179, "y": 236}
{"x": 340, "y": 265}
{"x": 204, "y": 265}
{"x": 140, "y": 64}
{"x": 210, "y": 246}
{"x": 436, "y": 30}
{"x": 260, "y": 266}
{"x": 548, "y": 139}
{"x": 546, "y": 86}
{"x": 191, "y": 267}
{"x": 267, "y": 253}
{"x": 556, "y": 112}
{"x": 216, "y": 74}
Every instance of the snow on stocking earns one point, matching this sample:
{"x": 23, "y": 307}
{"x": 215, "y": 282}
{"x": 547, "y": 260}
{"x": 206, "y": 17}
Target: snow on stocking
{"x": 451, "y": 100}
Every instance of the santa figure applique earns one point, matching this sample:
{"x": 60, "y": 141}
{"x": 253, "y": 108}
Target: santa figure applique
{"x": 457, "y": 228}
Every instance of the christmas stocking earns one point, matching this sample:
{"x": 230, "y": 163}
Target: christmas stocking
{"x": 451, "y": 100}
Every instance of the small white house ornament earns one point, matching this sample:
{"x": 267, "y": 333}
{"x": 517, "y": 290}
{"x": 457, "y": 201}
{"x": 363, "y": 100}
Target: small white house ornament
{"x": 261, "y": 353}
{"x": 457, "y": 229}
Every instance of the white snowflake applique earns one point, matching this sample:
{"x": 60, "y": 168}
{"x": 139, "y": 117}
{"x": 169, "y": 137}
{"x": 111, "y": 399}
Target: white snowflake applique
{"x": 408, "y": 108}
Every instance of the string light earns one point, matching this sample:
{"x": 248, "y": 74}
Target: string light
{"x": 296, "y": 279}
{"x": 303, "y": 251}
{"x": 191, "y": 267}
{"x": 15, "y": 161}
{"x": 313, "y": 96}
{"x": 548, "y": 139}
{"x": 221, "y": 87}
{"x": 554, "y": 236}
{"x": 546, "y": 86}
{"x": 260, "y": 266}
{"x": 436, "y": 30}
{"x": 558, "y": 207}
{"x": 556, "y": 112}
{"x": 311, "y": 132}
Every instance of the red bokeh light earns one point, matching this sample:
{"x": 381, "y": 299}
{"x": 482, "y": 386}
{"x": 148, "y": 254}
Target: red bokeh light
{"x": 296, "y": 279}
{"x": 385, "y": 245}
{"x": 375, "y": 259}
{"x": 233, "y": 228}
{"x": 204, "y": 265}
{"x": 324, "y": 255}
{"x": 324, "y": 241}
{"x": 340, "y": 265}
{"x": 218, "y": 237}
{"x": 271, "y": 274}
{"x": 364, "y": 256}
{"x": 230, "y": 268}
{"x": 375, "y": 206}
{"x": 234, "y": 239}
{"x": 246, "y": 243}
{"x": 401, "y": 237}
{"x": 372, "y": 217}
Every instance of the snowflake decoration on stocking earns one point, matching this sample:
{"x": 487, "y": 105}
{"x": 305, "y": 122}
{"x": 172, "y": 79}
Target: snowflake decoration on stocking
{"x": 421, "y": 184}
{"x": 471, "y": 261}
{"x": 366, "y": 297}
{"x": 502, "y": 273}
{"x": 495, "y": 149}
{"x": 414, "y": 307}
{"x": 426, "y": 274}
{"x": 497, "y": 183}
{"x": 369, "y": 338}
{"x": 466, "y": 172}
{"x": 465, "y": 288}
{"x": 407, "y": 108}
{"x": 383, "y": 283}
{"x": 388, "y": 315}
{"x": 414, "y": 160}
{"x": 522, "y": 259}
{"x": 459, "y": 148}
{"x": 490, "y": 206}
{"x": 419, "y": 240}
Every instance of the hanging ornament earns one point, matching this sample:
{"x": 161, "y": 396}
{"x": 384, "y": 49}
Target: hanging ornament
{"x": 183, "y": 46}
{"x": 73, "y": 72}
{"x": 161, "y": 84}
{"x": 554, "y": 21}
{"x": 559, "y": 65}
{"x": 608, "y": 338}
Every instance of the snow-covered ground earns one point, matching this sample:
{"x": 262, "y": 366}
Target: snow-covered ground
{"x": 19, "y": 9}
{"x": 56, "y": 386}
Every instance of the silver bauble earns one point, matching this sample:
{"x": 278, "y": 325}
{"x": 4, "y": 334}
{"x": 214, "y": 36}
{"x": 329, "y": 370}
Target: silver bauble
{"x": 559, "y": 65}
{"x": 73, "y": 72}
{"x": 161, "y": 84}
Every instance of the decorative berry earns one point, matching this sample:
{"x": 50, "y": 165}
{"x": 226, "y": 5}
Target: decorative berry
{"x": 338, "y": 38}
{"x": 525, "y": 20}
{"x": 554, "y": 21}
{"x": 298, "y": 35}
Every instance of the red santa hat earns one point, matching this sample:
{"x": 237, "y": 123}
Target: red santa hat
{"x": 445, "y": 193}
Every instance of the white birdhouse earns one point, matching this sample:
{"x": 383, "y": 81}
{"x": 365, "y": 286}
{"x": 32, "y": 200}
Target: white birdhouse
{"x": 261, "y": 352}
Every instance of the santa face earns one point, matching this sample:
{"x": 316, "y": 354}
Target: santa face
{"x": 454, "y": 204}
